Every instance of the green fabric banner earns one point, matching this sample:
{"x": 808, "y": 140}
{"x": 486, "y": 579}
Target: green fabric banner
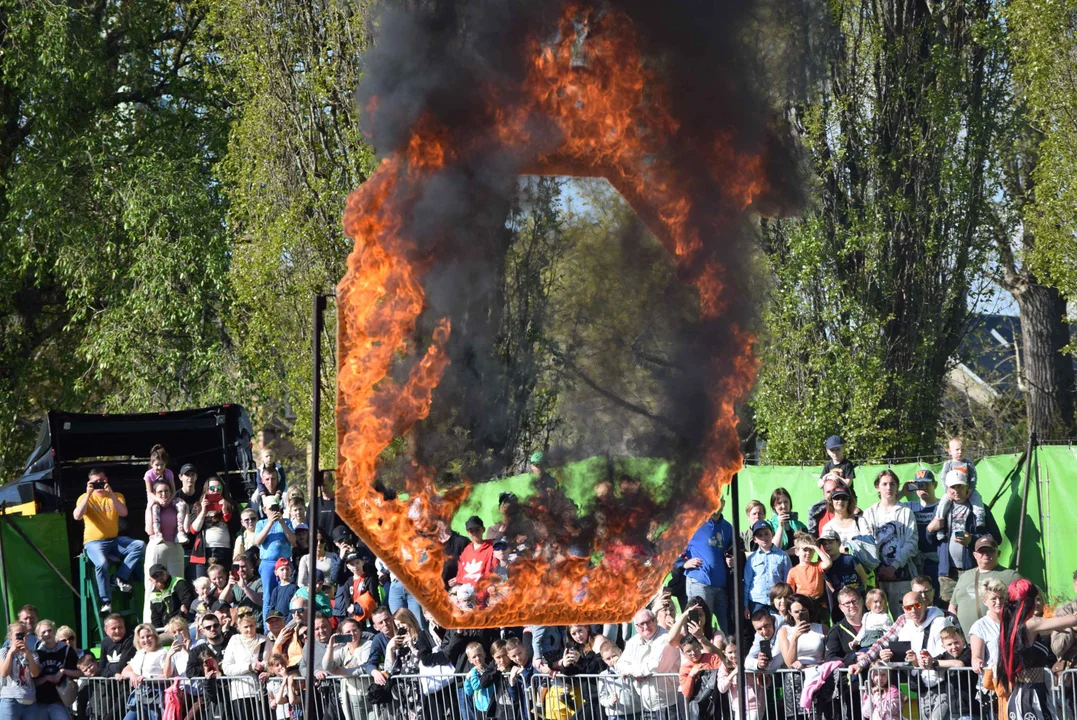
{"x": 1047, "y": 558}
{"x": 28, "y": 578}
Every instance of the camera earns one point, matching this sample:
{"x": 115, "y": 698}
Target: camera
{"x": 98, "y": 484}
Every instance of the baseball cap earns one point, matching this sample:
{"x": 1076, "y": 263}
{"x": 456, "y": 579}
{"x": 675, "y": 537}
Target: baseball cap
{"x": 158, "y": 569}
{"x": 841, "y": 492}
{"x": 829, "y": 533}
{"x": 474, "y": 523}
{"x": 188, "y": 469}
{"x": 924, "y": 475}
{"x": 956, "y": 477}
{"x": 761, "y": 525}
{"x": 985, "y": 541}
{"x": 502, "y": 543}
{"x": 834, "y": 441}
{"x": 506, "y": 497}
{"x": 538, "y": 458}
{"x": 301, "y": 526}
{"x": 281, "y": 562}
{"x": 220, "y": 605}
{"x": 352, "y": 557}
{"x": 274, "y": 614}
{"x": 342, "y": 533}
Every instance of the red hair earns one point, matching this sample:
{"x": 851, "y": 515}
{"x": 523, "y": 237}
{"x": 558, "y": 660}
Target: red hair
{"x": 1013, "y": 638}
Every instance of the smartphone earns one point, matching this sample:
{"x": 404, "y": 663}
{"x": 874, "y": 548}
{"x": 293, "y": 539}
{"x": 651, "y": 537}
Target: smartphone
{"x": 793, "y": 516}
{"x": 401, "y": 631}
{"x": 20, "y": 636}
{"x": 210, "y": 664}
{"x": 214, "y": 502}
{"x": 342, "y": 638}
{"x": 98, "y": 484}
{"x": 959, "y": 534}
{"x": 764, "y": 647}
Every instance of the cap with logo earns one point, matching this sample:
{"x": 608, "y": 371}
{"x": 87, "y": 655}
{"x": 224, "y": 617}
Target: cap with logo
{"x": 985, "y": 541}
{"x": 956, "y": 477}
{"x": 924, "y": 475}
{"x": 759, "y": 525}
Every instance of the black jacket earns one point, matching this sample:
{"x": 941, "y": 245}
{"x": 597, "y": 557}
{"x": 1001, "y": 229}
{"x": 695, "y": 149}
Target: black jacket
{"x": 168, "y": 603}
{"x": 456, "y": 642}
{"x": 839, "y": 643}
{"x": 115, "y": 656}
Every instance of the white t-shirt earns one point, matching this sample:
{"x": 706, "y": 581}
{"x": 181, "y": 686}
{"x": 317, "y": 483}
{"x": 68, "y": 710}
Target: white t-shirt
{"x": 987, "y": 630}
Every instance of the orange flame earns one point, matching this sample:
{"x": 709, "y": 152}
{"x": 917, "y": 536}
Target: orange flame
{"x": 612, "y": 113}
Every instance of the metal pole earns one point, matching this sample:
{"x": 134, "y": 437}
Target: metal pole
{"x": 3, "y": 560}
{"x": 1024, "y": 500}
{"x": 738, "y": 605}
{"x": 312, "y": 509}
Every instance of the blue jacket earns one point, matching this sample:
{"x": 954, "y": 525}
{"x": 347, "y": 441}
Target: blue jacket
{"x": 710, "y": 543}
{"x": 761, "y": 571}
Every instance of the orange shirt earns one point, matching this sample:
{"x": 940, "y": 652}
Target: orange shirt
{"x": 807, "y": 579}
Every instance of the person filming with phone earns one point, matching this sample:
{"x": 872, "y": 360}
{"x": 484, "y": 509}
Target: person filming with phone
{"x": 18, "y": 668}
{"x": 273, "y": 535}
{"x": 101, "y": 509}
{"x": 212, "y": 538}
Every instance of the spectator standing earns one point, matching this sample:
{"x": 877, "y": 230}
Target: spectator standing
{"x": 213, "y": 540}
{"x": 957, "y": 461}
{"x": 837, "y": 467}
{"x": 244, "y": 660}
{"x": 841, "y": 641}
{"x": 281, "y": 596}
{"x": 268, "y": 460}
{"x": 148, "y": 663}
{"x": 983, "y": 636}
{"x": 117, "y": 647}
{"x": 923, "y": 488}
{"x": 707, "y": 562}
{"x": 807, "y": 577}
{"x": 188, "y": 491}
{"x": 820, "y": 512}
{"x": 28, "y": 617}
{"x": 326, "y": 561}
{"x": 101, "y": 509}
{"x": 755, "y": 511}
{"x": 964, "y": 602}
{"x": 616, "y": 694}
{"x": 172, "y": 596}
{"x": 957, "y": 526}
{"x": 763, "y": 568}
{"x": 159, "y": 472}
{"x": 844, "y": 571}
{"x": 477, "y": 559}
{"x": 274, "y": 537}
{"x": 648, "y": 654}
{"x": 893, "y": 526}
{"x": 357, "y": 596}
{"x": 18, "y": 669}
{"x": 852, "y": 529}
{"x": 163, "y": 548}
{"x": 248, "y": 519}
{"x": 785, "y": 522}
{"x": 328, "y": 519}
{"x": 385, "y": 625}
{"x": 58, "y": 662}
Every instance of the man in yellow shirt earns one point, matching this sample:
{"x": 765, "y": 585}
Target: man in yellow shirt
{"x": 101, "y": 509}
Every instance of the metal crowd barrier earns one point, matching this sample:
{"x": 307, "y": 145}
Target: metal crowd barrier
{"x": 880, "y": 693}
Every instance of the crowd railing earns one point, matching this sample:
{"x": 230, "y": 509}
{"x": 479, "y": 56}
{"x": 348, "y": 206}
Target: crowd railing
{"x": 879, "y": 693}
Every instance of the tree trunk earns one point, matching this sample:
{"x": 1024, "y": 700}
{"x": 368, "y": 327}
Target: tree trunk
{"x": 1046, "y": 369}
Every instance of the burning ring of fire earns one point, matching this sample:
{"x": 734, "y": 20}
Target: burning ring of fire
{"x": 612, "y": 114}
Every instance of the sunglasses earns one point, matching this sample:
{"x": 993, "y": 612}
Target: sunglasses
{"x": 914, "y": 606}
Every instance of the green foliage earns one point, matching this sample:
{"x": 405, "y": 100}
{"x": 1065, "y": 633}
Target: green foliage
{"x": 871, "y": 286}
{"x": 1044, "y": 37}
{"x": 294, "y": 154}
{"x": 113, "y": 255}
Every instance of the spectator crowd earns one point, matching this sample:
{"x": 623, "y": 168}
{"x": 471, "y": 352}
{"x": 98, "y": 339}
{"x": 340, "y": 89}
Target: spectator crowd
{"x": 844, "y": 596}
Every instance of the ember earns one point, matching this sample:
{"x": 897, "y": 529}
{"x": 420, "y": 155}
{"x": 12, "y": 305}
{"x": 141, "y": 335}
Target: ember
{"x": 595, "y": 98}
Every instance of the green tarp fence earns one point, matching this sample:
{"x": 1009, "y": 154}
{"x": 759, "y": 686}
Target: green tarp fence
{"x": 29, "y": 579}
{"x": 1049, "y": 556}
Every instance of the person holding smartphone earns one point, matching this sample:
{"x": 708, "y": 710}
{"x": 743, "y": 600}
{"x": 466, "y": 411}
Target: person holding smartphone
{"x": 101, "y": 509}
{"x": 18, "y": 668}
{"x": 212, "y": 538}
{"x": 274, "y": 537}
